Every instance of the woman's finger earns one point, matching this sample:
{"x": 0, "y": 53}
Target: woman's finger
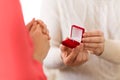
{"x": 43, "y": 25}
{"x": 33, "y": 28}
{"x": 30, "y": 24}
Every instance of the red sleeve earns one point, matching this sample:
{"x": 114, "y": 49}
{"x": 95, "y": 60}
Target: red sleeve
{"x": 16, "y": 49}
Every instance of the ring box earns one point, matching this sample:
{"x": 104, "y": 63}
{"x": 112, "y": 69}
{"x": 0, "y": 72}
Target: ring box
{"x": 75, "y": 37}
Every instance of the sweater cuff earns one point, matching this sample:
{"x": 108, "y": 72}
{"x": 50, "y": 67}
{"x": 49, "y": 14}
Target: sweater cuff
{"x": 111, "y": 51}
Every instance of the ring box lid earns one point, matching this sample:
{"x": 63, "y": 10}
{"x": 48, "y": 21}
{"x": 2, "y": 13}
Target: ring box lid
{"x": 76, "y": 33}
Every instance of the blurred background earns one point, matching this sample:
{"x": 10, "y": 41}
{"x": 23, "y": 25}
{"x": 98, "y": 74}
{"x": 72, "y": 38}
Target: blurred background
{"x": 31, "y": 9}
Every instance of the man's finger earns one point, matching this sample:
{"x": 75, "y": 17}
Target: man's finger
{"x": 93, "y": 40}
{"x": 93, "y": 33}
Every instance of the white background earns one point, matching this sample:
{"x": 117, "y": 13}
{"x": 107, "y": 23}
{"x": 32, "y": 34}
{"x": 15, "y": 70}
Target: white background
{"x": 31, "y": 9}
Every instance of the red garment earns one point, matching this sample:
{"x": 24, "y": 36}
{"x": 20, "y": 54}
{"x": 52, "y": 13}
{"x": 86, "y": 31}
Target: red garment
{"x": 16, "y": 49}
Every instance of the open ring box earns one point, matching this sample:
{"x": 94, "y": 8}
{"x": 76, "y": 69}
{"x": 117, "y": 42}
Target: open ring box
{"x": 75, "y": 37}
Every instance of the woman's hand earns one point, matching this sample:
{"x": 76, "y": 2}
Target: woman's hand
{"x": 40, "y": 37}
{"x": 94, "y": 42}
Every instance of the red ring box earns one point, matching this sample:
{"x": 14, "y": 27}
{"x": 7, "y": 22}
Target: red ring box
{"x": 75, "y": 37}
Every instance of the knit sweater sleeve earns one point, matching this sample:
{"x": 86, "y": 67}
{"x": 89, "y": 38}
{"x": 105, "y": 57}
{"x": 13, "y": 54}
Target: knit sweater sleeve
{"x": 112, "y": 51}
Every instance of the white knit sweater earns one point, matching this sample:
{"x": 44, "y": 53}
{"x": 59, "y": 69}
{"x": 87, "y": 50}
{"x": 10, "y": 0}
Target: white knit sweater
{"x": 59, "y": 15}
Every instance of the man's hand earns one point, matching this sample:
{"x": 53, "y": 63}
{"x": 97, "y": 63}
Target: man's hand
{"x": 94, "y": 41}
{"x": 74, "y": 57}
